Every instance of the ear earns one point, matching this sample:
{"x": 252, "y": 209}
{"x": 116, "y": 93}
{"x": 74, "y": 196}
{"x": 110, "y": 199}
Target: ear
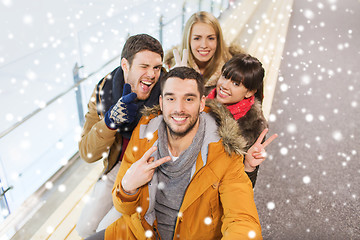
{"x": 202, "y": 103}
{"x": 125, "y": 67}
{"x": 161, "y": 102}
{"x": 250, "y": 93}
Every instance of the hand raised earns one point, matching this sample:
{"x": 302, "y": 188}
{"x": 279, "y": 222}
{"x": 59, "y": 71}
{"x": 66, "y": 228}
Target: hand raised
{"x": 128, "y": 96}
{"x": 124, "y": 111}
{"x": 256, "y": 153}
{"x": 178, "y": 61}
{"x": 142, "y": 171}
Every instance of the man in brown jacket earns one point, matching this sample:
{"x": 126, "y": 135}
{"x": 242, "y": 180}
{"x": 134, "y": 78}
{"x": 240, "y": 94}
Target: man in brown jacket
{"x": 113, "y": 113}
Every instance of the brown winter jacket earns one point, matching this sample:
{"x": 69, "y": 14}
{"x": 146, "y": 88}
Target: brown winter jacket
{"x": 97, "y": 140}
{"x": 243, "y": 131}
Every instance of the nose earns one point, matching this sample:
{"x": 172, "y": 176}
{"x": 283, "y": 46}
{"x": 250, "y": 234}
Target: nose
{"x": 226, "y": 83}
{"x": 203, "y": 43}
{"x": 151, "y": 73}
{"x": 179, "y": 106}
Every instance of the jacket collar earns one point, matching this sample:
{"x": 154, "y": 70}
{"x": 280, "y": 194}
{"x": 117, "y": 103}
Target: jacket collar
{"x": 228, "y": 128}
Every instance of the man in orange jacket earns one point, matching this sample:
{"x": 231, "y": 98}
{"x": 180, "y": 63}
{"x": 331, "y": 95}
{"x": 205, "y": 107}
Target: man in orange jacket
{"x": 176, "y": 180}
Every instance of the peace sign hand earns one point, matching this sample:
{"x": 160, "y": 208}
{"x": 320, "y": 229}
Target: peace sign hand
{"x": 142, "y": 171}
{"x": 256, "y": 153}
{"x": 178, "y": 61}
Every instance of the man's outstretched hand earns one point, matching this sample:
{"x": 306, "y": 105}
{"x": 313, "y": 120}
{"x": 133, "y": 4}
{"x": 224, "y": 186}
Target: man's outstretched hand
{"x": 142, "y": 171}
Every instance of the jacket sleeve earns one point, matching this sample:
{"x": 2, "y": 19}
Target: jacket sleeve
{"x": 96, "y": 137}
{"x": 123, "y": 202}
{"x": 240, "y": 220}
{"x": 253, "y": 175}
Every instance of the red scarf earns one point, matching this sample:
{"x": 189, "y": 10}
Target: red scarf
{"x": 239, "y": 109}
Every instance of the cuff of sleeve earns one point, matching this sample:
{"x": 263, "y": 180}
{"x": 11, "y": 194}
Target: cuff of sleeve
{"x": 124, "y": 196}
{"x": 253, "y": 172}
{"x": 104, "y": 131}
{"x": 110, "y": 124}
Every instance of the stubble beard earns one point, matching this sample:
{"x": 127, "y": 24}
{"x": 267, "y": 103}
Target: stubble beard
{"x": 176, "y": 135}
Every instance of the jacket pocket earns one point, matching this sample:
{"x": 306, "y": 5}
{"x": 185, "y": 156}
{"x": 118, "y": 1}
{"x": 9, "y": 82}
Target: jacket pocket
{"x": 215, "y": 207}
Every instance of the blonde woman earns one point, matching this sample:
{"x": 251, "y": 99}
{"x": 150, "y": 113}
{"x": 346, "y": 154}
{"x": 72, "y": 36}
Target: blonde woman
{"x": 207, "y": 49}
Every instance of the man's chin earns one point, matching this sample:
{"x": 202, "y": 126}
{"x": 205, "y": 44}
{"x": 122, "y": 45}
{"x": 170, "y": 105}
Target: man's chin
{"x": 179, "y": 132}
{"x": 143, "y": 96}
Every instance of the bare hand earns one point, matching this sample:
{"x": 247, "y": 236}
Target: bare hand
{"x": 256, "y": 153}
{"x": 178, "y": 61}
{"x": 142, "y": 171}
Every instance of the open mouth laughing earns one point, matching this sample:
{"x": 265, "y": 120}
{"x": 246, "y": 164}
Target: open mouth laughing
{"x": 145, "y": 85}
{"x": 222, "y": 93}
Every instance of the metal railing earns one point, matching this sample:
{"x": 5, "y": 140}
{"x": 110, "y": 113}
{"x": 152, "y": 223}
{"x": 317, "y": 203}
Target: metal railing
{"x": 78, "y": 81}
{"x": 182, "y": 15}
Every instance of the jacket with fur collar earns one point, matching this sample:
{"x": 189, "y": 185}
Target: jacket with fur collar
{"x": 239, "y": 135}
{"x": 219, "y": 189}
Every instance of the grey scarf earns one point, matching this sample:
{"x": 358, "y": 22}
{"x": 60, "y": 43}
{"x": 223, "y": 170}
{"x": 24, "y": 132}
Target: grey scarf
{"x": 174, "y": 177}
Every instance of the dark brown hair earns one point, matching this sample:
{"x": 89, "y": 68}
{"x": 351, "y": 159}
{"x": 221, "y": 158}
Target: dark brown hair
{"x": 184, "y": 73}
{"x": 247, "y": 70}
{"x": 138, "y": 43}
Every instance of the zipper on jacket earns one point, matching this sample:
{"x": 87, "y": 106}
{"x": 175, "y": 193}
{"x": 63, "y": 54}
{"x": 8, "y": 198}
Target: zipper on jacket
{"x": 157, "y": 235}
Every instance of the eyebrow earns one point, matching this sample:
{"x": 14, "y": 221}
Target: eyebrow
{"x": 211, "y": 35}
{"x": 147, "y": 65}
{"x": 187, "y": 94}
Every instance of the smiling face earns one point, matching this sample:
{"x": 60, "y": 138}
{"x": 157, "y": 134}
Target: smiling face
{"x": 143, "y": 73}
{"x": 203, "y": 43}
{"x": 181, "y": 105}
{"x": 231, "y": 92}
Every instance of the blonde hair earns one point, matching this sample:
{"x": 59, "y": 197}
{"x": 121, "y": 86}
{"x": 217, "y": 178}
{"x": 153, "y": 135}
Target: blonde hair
{"x": 221, "y": 54}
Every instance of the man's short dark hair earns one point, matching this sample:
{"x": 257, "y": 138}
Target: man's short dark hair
{"x": 138, "y": 43}
{"x": 184, "y": 73}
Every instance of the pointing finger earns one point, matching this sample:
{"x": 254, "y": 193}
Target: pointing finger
{"x": 269, "y": 140}
{"x": 262, "y": 135}
{"x": 150, "y": 160}
{"x": 177, "y": 57}
{"x": 148, "y": 153}
{"x": 159, "y": 162}
{"x": 185, "y": 58}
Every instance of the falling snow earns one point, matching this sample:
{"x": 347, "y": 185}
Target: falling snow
{"x": 208, "y": 220}
{"x": 252, "y": 234}
{"x": 270, "y": 205}
{"x": 148, "y": 233}
{"x": 161, "y": 185}
{"x": 314, "y": 111}
{"x": 306, "y": 179}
